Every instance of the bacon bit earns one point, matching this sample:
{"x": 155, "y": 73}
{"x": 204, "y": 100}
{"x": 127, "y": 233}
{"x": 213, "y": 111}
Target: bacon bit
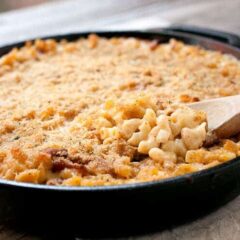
{"x": 153, "y": 45}
{"x": 83, "y": 159}
{"x": 60, "y": 164}
{"x": 61, "y": 160}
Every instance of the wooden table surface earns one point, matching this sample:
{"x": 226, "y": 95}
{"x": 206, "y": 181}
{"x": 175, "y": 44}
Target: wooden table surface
{"x": 73, "y": 15}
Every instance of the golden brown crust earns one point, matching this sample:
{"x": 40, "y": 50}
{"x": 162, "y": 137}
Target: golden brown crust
{"x": 59, "y": 102}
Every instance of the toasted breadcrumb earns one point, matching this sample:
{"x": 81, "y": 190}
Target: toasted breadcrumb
{"x": 63, "y": 106}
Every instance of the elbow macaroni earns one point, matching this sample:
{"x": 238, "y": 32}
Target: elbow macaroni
{"x": 137, "y": 137}
{"x": 165, "y": 138}
{"x": 112, "y": 116}
{"x": 194, "y": 138}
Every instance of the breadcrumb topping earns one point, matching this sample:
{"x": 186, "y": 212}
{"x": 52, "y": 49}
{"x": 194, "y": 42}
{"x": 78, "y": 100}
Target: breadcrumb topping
{"x": 101, "y": 111}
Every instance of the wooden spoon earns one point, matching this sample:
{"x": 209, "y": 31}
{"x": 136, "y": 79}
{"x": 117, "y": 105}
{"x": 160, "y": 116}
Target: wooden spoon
{"x": 223, "y": 115}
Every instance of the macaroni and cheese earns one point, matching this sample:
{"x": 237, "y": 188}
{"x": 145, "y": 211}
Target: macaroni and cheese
{"x": 101, "y": 111}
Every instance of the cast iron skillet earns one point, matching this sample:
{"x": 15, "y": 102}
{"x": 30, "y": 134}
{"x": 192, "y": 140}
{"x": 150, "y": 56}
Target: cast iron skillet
{"x": 128, "y": 208}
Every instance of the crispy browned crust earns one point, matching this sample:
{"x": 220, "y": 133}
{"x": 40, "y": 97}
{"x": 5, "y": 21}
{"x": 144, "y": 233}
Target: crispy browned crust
{"x": 56, "y": 99}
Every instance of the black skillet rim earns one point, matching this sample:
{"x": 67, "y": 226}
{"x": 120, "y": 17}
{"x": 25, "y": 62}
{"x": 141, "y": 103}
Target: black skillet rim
{"x": 191, "y": 177}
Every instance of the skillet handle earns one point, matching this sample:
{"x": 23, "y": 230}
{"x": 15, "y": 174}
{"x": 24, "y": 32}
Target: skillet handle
{"x": 225, "y": 37}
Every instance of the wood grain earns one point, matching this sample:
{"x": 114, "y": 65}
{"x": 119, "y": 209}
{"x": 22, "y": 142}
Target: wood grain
{"x": 223, "y": 115}
{"x": 73, "y": 15}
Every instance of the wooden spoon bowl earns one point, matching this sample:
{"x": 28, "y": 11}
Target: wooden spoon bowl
{"x": 223, "y": 115}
